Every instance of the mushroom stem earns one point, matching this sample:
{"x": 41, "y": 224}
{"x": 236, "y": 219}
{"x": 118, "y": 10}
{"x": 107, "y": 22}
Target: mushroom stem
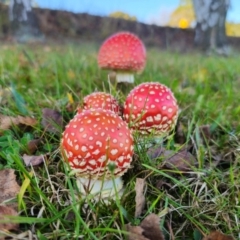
{"x": 124, "y": 77}
{"x": 104, "y": 189}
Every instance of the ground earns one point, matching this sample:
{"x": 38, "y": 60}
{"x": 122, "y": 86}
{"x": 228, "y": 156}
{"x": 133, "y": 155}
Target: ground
{"x": 192, "y": 178}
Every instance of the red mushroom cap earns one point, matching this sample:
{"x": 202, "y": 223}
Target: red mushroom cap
{"x": 100, "y": 100}
{"x": 122, "y": 51}
{"x": 94, "y": 139}
{"x": 151, "y": 108}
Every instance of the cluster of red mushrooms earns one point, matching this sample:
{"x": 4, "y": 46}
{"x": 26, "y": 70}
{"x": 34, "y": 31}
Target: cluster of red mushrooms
{"x": 98, "y": 143}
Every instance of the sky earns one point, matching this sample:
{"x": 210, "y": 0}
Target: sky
{"x": 146, "y": 11}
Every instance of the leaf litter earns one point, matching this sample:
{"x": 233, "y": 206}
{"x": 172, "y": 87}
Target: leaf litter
{"x": 32, "y": 160}
{"x": 149, "y": 229}
{"x": 182, "y": 160}
{"x": 6, "y": 122}
{"x": 140, "y": 198}
{"x": 52, "y": 120}
{"x": 216, "y": 235}
{"x": 9, "y": 190}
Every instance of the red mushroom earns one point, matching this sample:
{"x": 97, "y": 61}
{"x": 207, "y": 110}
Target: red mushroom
{"x": 151, "y": 108}
{"x": 100, "y": 100}
{"x": 124, "y": 53}
{"x": 98, "y": 146}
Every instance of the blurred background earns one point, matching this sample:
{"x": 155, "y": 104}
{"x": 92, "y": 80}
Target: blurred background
{"x": 175, "y": 24}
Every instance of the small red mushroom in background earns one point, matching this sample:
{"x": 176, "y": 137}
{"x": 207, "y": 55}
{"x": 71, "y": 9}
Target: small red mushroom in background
{"x": 98, "y": 145}
{"x": 100, "y": 100}
{"x": 151, "y": 108}
{"x": 123, "y": 53}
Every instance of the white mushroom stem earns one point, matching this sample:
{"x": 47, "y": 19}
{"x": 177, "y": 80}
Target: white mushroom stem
{"x": 100, "y": 188}
{"x": 124, "y": 77}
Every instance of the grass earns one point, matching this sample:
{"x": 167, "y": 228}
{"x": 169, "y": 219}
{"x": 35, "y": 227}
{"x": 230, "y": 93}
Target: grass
{"x": 50, "y": 206}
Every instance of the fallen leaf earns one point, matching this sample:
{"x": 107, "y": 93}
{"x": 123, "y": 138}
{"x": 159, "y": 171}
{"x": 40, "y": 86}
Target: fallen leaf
{"x": 52, "y": 120}
{"x": 9, "y": 188}
{"x": 32, "y": 160}
{"x": 149, "y": 229}
{"x": 32, "y": 145}
{"x": 7, "y": 121}
{"x": 6, "y": 211}
{"x": 216, "y": 235}
{"x": 155, "y": 152}
{"x": 182, "y": 160}
{"x": 135, "y": 233}
{"x": 140, "y": 198}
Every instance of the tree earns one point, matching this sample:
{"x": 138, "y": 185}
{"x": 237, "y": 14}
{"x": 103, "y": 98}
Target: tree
{"x": 24, "y": 22}
{"x": 122, "y": 15}
{"x": 183, "y": 16}
{"x": 210, "y": 32}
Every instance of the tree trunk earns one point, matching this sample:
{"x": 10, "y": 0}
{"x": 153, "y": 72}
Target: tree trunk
{"x": 210, "y": 32}
{"x": 24, "y": 23}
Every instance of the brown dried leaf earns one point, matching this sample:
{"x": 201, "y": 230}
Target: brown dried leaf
{"x": 216, "y": 235}
{"x": 182, "y": 160}
{"x": 140, "y": 198}
{"x": 32, "y": 145}
{"x": 4, "y": 212}
{"x": 151, "y": 227}
{"x": 148, "y": 230}
{"x": 9, "y": 188}
{"x": 135, "y": 233}
{"x": 52, "y": 120}
{"x": 7, "y": 121}
{"x": 32, "y": 160}
{"x": 156, "y": 152}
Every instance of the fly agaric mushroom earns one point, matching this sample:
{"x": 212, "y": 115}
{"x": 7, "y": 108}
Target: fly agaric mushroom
{"x": 98, "y": 146}
{"x": 100, "y": 100}
{"x": 123, "y": 53}
{"x": 151, "y": 108}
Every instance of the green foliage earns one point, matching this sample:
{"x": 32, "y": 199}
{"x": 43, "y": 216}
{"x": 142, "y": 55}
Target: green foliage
{"x": 189, "y": 203}
{"x": 122, "y": 15}
{"x": 10, "y": 146}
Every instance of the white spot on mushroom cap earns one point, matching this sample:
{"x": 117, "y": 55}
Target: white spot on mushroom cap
{"x": 84, "y": 148}
{"x": 82, "y": 163}
{"x": 102, "y": 159}
{"x": 98, "y": 143}
{"x": 164, "y": 118}
{"x": 75, "y": 161}
{"x": 114, "y": 151}
{"x": 157, "y": 117}
{"x": 149, "y": 119}
{"x": 92, "y": 162}
{"x": 121, "y": 159}
{"x": 96, "y": 152}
